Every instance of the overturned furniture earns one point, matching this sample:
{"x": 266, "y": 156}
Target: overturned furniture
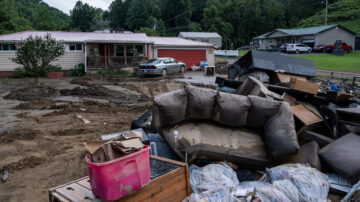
{"x": 169, "y": 182}
{"x": 271, "y": 63}
{"x": 202, "y": 123}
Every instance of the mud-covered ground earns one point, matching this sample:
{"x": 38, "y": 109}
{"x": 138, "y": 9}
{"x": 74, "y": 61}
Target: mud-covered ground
{"x": 42, "y": 139}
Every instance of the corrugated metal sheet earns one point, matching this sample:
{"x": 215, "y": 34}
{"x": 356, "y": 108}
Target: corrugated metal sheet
{"x": 261, "y": 60}
{"x": 199, "y": 34}
{"x": 178, "y": 42}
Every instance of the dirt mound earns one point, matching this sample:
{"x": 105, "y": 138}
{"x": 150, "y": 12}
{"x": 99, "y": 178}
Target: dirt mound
{"x": 89, "y": 92}
{"x": 72, "y": 131}
{"x": 152, "y": 88}
{"x": 32, "y": 93}
{"x": 35, "y": 104}
{"x": 10, "y": 136}
{"x": 29, "y": 162}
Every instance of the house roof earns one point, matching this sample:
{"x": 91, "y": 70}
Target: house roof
{"x": 304, "y": 31}
{"x": 81, "y": 36}
{"x": 178, "y": 42}
{"x": 199, "y": 34}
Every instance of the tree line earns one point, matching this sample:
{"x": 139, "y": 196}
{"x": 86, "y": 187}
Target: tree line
{"x": 237, "y": 21}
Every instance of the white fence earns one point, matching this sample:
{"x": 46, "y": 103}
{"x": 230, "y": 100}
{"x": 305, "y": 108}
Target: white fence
{"x": 230, "y": 53}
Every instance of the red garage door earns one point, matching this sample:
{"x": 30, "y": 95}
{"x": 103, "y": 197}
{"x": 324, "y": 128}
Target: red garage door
{"x": 189, "y": 57}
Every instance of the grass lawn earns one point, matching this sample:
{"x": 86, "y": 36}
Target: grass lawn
{"x": 242, "y": 52}
{"x": 347, "y": 63}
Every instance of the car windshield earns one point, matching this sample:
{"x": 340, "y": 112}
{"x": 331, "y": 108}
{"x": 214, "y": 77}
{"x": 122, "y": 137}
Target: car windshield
{"x": 153, "y": 61}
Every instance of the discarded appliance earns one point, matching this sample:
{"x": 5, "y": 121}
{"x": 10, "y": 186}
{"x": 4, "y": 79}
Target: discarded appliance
{"x": 271, "y": 63}
{"x": 200, "y": 115}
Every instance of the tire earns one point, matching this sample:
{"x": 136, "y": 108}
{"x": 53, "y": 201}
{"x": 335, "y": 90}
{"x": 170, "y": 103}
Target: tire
{"x": 182, "y": 69}
{"x": 163, "y": 72}
{"x": 349, "y": 50}
{"x": 297, "y": 51}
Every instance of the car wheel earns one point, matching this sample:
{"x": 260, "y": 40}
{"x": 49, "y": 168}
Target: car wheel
{"x": 309, "y": 51}
{"x": 349, "y": 50}
{"x": 182, "y": 69}
{"x": 297, "y": 52}
{"x": 164, "y": 72}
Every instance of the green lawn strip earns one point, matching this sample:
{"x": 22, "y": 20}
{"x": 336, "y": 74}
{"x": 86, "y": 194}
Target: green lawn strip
{"x": 347, "y": 63}
{"x": 242, "y": 52}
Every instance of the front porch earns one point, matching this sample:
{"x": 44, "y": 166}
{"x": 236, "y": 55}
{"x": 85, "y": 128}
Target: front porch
{"x": 114, "y": 56}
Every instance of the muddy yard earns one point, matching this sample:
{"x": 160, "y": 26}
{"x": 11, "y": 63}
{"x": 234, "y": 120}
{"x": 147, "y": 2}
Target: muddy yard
{"x": 42, "y": 139}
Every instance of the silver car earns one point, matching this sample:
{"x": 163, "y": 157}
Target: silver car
{"x": 161, "y": 66}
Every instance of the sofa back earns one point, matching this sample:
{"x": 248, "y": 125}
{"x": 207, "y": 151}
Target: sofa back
{"x": 273, "y": 117}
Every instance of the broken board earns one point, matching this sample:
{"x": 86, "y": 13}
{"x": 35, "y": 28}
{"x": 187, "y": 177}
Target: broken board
{"x": 304, "y": 86}
{"x": 284, "y": 79}
{"x": 306, "y": 117}
{"x": 171, "y": 186}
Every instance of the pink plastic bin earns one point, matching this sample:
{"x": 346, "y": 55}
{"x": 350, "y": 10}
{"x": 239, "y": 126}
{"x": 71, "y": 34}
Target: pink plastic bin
{"x": 114, "y": 179}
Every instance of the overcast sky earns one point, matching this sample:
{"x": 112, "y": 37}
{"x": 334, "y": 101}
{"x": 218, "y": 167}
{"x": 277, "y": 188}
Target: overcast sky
{"x": 67, "y": 5}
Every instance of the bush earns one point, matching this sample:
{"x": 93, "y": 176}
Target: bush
{"x": 124, "y": 73}
{"x": 78, "y": 70}
{"x": 101, "y": 73}
{"x": 20, "y": 73}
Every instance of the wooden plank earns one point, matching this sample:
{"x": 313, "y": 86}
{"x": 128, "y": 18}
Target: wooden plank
{"x": 85, "y": 183}
{"x": 320, "y": 139}
{"x": 168, "y": 160}
{"x": 306, "y": 116}
{"x": 284, "y": 79}
{"x": 158, "y": 186}
{"x": 304, "y": 86}
{"x": 57, "y": 197}
{"x": 76, "y": 192}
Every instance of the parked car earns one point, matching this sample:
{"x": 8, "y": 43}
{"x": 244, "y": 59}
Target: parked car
{"x": 246, "y": 47}
{"x": 297, "y": 48}
{"x": 319, "y": 48}
{"x": 344, "y": 46}
{"x": 161, "y": 66}
{"x": 283, "y": 47}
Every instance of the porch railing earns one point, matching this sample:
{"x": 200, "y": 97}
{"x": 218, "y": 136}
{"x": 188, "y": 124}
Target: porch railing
{"x": 114, "y": 61}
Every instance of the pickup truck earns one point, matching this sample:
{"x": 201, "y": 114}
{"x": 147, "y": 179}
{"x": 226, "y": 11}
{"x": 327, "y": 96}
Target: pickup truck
{"x": 344, "y": 46}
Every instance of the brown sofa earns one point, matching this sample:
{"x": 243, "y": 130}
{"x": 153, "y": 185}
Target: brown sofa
{"x": 247, "y": 130}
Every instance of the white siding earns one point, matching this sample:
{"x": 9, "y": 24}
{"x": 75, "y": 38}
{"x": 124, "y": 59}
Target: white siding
{"x": 5, "y": 62}
{"x": 69, "y": 60}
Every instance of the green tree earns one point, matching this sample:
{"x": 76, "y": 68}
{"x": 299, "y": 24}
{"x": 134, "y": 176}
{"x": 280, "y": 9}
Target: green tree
{"x": 176, "y": 15}
{"x": 118, "y": 14}
{"x": 142, "y": 13}
{"x": 83, "y": 16}
{"x": 36, "y": 53}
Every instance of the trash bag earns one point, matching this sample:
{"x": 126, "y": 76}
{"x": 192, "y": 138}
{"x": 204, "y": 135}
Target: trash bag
{"x": 288, "y": 188}
{"x": 311, "y": 184}
{"x": 211, "y": 177}
{"x": 265, "y": 191}
{"x": 217, "y": 195}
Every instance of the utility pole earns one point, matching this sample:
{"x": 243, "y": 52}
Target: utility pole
{"x": 326, "y": 11}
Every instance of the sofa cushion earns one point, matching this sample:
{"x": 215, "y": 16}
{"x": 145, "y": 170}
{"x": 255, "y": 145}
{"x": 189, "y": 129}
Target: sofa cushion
{"x": 343, "y": 155}
{"x": 280, "y": 135}
{"x": 169, "y": 108}
{"x": 261, "y": 110}
{"x": 209, "y": 140}
{"x": 201, "y": 102}
{"x": 308, "y": 154}
{"x": 231, "y": 109}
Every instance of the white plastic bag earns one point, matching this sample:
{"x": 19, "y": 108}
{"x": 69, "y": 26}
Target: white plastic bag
{"x": 211, "y": 177}
{"x": 312, "y": 184}
{"x": 217, "y": 195}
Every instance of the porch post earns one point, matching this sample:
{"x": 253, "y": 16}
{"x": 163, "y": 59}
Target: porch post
{"x": 85, "y": 57}
{"x": 106, "y": 56}
{"x": 125, "y": 54}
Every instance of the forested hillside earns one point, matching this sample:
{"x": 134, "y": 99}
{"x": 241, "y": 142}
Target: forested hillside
{"x": 20, "y": 15}
{"x": 344, "y": 12}
{"x": 236, "y": 20}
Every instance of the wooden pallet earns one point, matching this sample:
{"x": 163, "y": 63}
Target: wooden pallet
{"x": 172, "y": 186}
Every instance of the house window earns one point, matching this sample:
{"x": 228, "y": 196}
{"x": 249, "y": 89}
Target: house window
{"x": 74, "y": 47}
{"x": 7, "y": 47}
{"x": 269, "y": 40}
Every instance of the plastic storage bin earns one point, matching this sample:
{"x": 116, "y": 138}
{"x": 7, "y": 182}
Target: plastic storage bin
{"x": 114, "y": 179}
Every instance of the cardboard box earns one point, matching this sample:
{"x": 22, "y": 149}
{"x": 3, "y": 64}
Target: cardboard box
{"x": 304, "y": 86}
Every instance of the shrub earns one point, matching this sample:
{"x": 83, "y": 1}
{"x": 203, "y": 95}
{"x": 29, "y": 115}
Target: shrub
{"x": 20, "y": 73}
{"x": 124, "y": 73}
{"x": 101, "y": 73}
{"x": 78, "y": 70}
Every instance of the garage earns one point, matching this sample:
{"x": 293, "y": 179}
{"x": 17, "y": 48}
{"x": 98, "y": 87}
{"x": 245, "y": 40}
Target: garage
{"x": 189, "y": 57}
{"x": 184, "y": 50}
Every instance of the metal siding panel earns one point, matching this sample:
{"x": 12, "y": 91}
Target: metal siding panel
{"x": 189, "y": 57}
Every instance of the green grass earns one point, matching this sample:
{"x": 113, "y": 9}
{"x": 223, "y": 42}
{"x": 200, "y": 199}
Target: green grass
{"x": 242, "y": 52}
{"x": 347, "y": 63}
